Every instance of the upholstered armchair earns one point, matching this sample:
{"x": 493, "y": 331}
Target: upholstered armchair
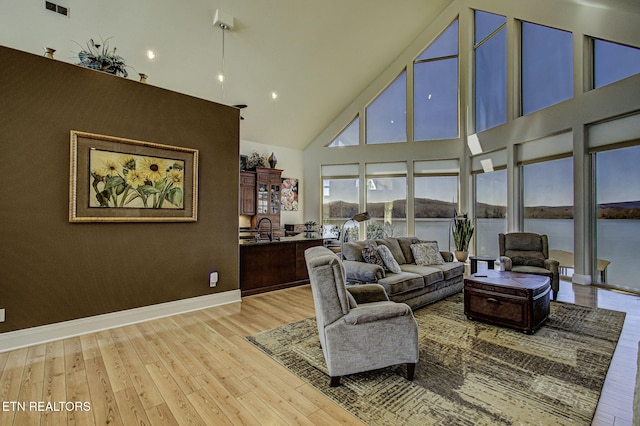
{"x": 528, "y": 253}
{"x": 359, "y": 328}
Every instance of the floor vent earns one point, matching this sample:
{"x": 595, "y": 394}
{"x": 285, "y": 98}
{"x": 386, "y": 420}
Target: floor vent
{"x": 57, "y": 8}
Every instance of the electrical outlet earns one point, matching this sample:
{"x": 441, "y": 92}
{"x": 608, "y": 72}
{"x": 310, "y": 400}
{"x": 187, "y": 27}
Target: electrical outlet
{"x": 213, "y": 279}
{"x": 1, "y": 315}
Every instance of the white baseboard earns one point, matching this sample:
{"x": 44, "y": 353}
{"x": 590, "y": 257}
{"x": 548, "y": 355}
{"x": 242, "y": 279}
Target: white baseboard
{"x": 62, "y": 330}
{"x": 581, "y": 279}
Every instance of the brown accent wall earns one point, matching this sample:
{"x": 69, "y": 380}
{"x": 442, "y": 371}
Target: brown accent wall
{"x": 52, "y": 270}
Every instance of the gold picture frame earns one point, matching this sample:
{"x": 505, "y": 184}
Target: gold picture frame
{"x": 113, "y": 179}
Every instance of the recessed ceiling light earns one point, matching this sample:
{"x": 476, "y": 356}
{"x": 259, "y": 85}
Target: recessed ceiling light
{"x": 274, "y": 95}
{"x": 151, "y": 54}
{"x": 221, "y": 78}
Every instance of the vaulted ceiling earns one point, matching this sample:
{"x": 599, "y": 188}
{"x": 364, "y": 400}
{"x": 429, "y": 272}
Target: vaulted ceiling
{"x": 316, "y": 55}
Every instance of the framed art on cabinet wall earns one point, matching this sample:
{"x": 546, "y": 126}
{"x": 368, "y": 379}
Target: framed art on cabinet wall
{"x": 289, "y": 194}
{"x": 113, "y": 179}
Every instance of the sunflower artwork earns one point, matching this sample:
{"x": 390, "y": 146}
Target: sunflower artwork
{"x": 120, "y": 180}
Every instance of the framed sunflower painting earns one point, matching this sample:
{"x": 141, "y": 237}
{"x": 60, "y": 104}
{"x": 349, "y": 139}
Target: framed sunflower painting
{"x": 123, "y": 180}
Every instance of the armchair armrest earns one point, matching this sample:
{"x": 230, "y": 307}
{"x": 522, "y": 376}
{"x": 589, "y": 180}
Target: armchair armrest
{"x": 506, "y": 261}
{"x": 365, "y": 314}
{"x": 363, "y": 272}
{"x": 552, "y": 265}
{"x": 368, "y": 293}
{"x": 447, "y": 256}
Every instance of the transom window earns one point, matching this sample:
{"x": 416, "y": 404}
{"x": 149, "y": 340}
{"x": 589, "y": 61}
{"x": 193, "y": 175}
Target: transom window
{"x": 547, "y": 67}
{"x": 435, "y": 90}
{"x": 490, "y": 47}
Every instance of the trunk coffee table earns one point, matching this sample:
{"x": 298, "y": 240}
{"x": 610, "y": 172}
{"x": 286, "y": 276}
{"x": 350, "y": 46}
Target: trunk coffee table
{"x": 510, "y": 299}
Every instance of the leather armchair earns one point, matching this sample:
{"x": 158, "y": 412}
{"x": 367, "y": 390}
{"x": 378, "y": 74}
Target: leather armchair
{"x": 359, "y": 328}
{"x": 528, "y": 253}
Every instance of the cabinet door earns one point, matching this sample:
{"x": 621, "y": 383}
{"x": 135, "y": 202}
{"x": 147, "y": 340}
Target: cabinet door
{"x": 262, "y": 198}
{"x": 247, "y": 200}
{"x": 274, "y": 205}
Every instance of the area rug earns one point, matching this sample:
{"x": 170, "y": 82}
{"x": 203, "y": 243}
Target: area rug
{"x": 469, "y": 372}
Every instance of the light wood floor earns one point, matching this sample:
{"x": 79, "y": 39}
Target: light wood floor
{"x": 197, "y": 368}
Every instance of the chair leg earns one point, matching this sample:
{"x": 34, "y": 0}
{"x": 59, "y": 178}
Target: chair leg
{"x": 411, "y": 369}
{"x": 335, "y": 381}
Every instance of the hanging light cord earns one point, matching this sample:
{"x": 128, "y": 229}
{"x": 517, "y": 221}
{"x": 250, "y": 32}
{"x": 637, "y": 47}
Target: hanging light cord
{"x": 224, "y": 76}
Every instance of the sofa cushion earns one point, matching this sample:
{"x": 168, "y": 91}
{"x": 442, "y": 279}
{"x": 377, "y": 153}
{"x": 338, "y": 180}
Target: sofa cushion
{"x": 370, "y": 254}
{"x": 390, "y": 262}
{"x": 426, "y": 254}
{"x": 451, "y": 269}
{"x": 532, "y": 270}
{"x": 353, "y": 250}
{"x": 394, "y": 247}
{"x": 401, "y": 283}
{"x": 405, "y": 246}
{"x": 430, "y": 274}
{"x": 526, "y": 258}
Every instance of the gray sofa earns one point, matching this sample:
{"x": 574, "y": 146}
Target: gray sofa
{"x": 415, "y": 285}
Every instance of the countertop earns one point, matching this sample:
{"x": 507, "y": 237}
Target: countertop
{"x": 303, "y": 236}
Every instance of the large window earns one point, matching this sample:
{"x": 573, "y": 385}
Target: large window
{"x": 435, "y": 98}
{"x": 618, "y": 207}
{"x": 613, "y": 62}
{"x": 547, "y": 67}
{"x": 349, "y": 136}
{"x": 339, "y": 194}
{"x": 435, "y": 201}
{"x": 548, "y": 201}
{"x": 387, "y": 114}
{"x": 490, "y": 210}
{"x": 490, "y": 48}
{"x": 387, "y": 199}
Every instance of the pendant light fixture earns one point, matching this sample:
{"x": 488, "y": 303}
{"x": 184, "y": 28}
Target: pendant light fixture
{"x": 224, "y": 21}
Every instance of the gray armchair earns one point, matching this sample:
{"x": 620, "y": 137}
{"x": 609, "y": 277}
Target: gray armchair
{"x": 359, "y": 328}
{"x": 528, "y": 253}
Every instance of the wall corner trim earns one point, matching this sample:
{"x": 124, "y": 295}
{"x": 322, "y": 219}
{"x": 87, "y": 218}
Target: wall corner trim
{"x": 36, "y": 335}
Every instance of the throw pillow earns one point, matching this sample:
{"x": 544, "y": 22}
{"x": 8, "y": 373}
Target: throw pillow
{"x": 390, "y": 263}
{"x": 427, "y": 254}
{"x": 370, "y": 254}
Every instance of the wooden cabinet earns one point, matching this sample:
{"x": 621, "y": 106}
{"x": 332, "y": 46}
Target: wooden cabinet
{"x": 272, "y": 266}
{"x": 267, "y": 196}
{"x": 247, "y": 193}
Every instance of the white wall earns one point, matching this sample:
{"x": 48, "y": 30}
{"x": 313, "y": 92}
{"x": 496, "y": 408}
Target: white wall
{"x": 147, "y": 24}
{"x": 290, "y": 162}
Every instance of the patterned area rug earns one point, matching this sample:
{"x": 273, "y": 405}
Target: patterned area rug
{"x": 470, "y": 373}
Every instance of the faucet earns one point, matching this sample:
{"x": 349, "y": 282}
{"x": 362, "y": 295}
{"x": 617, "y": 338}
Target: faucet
{"x": 270, "y": 234}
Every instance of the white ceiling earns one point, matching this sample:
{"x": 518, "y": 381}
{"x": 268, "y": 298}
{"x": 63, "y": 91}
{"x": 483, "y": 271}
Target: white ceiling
{"x": 317, "y": 55}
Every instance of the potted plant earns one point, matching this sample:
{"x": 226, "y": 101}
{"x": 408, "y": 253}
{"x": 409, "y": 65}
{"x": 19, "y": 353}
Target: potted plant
{"x": 309, "y": 225}
{"x": 462, "y": 233}
{"x": 100, "y": 57}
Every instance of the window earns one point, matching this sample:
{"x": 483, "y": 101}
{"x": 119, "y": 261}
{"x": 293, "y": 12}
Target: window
{"x": 613, "y": 62}
{"x": 435, "y": 94}
{"x": 547, "y": 67}
{"x": 387, "y": 199}
{"x": 490, "y": 48}
{"x": 340, "y": 195}
{"x": 387, "y": 115}
{"x": 436, "y": 199}
{"x": 618, "y": 212}
{"x": 490, "y": 210}
{"x": 349, "y": 136}
{"x": 548, "y": 201}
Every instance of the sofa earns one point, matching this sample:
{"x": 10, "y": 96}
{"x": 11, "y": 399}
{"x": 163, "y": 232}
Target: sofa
{"x": 416, "y": 284}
